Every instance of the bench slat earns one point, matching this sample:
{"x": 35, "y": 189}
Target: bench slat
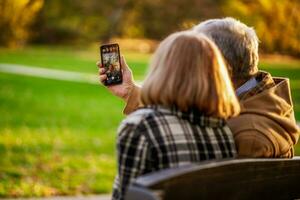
{"x": 229, "y": 179}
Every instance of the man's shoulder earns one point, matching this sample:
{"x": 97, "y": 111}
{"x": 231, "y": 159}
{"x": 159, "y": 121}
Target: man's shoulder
{"x": 246, "y": 122}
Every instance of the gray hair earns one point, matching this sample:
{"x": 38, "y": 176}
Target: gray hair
{"x": 237, "y": 42}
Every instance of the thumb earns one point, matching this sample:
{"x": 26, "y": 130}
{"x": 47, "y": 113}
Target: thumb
{"x": 124, "y": 64}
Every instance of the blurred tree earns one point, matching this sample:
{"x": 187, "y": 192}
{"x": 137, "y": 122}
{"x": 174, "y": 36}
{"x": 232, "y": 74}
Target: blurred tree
{"x": 76, "y": 20}
{"x": 69, "y": 20}
{"x": 16, "y": 17}
{"x": 276, "y": 22}
{"x": 158, "y": 18}
{"x": 55, "y": 21}
{"x": 115, "y": 19}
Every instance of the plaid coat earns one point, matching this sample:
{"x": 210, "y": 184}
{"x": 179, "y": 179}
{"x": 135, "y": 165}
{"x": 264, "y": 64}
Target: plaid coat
{"x": 154, "y": 138}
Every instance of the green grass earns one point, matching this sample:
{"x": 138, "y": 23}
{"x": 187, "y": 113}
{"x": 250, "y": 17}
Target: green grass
{"x": 69, "y": 58}
{"x": 57, "y": 137}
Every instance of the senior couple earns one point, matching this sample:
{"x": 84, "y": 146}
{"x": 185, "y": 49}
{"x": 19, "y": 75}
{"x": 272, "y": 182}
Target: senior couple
{"x": 203, "y": 98}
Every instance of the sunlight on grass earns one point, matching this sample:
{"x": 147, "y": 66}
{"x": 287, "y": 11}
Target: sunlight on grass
{"x": 43, "y": 162}
{"x": 56, "y": 137}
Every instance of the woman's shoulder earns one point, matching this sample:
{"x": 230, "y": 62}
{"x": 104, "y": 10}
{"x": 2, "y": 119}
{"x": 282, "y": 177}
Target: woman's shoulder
{"x": 137, "y": 117}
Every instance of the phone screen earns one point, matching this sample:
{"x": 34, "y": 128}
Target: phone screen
{"x": 110, "y": 56}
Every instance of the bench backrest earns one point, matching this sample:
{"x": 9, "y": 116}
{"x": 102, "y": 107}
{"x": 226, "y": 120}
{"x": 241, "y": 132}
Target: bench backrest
{"x": 231, "y": 179}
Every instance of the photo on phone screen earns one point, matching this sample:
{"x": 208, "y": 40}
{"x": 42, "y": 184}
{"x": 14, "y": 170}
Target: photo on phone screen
{"x": 110, "y": 57}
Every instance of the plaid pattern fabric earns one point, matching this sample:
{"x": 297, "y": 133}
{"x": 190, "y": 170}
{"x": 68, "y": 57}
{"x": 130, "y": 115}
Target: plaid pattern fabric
{"x": 154, "y": 138}
{"x": 265, "y": 82}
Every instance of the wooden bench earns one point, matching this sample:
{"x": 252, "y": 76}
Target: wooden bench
{"x": 229, "y": 179}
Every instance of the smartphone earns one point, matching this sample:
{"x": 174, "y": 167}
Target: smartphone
{"x": 110, "y": 58}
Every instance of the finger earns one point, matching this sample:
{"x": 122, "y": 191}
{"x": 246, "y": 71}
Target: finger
{"x": 101, "y": 71}
{"x": 98, "y": 63}
{"x": 123, "y": 63}
{"x": 102, "y": 77}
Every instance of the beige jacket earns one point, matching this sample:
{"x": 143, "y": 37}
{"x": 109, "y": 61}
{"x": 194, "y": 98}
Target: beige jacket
{"x": 266, "y": 126}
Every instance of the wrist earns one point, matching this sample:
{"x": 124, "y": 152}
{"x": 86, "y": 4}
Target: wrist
{"x": 129, "y": 89}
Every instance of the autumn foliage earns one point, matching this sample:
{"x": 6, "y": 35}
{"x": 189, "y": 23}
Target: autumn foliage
{"x": 55, "y": 21}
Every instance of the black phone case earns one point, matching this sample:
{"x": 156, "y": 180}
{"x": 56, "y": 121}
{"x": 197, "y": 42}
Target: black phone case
{"x": 120, "y": 75}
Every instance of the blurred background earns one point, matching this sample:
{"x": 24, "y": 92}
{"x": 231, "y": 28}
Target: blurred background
{"x": 57, "y": 124}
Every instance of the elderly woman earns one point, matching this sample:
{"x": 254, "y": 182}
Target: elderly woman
{"x": 187, "y": 96}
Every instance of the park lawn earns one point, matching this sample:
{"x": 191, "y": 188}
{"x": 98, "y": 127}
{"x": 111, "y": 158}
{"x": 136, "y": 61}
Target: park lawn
{"x": 70, "y": 58}
{"x": 57, "y": 137}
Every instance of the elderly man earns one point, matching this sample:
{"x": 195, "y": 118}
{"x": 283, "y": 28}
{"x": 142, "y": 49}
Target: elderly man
{"x": 266, "y": 126}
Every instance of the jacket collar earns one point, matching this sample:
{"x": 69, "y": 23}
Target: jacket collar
{"x": 264, "y": 82}
{"x": 193, "y": 115}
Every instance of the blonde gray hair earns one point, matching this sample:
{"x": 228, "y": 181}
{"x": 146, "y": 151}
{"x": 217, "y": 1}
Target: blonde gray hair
{"x": 188, "y": 71}
{"x": 237, "y": 42}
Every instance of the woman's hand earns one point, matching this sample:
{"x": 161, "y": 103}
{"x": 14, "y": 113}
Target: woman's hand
{"x": 121, "y": 90}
